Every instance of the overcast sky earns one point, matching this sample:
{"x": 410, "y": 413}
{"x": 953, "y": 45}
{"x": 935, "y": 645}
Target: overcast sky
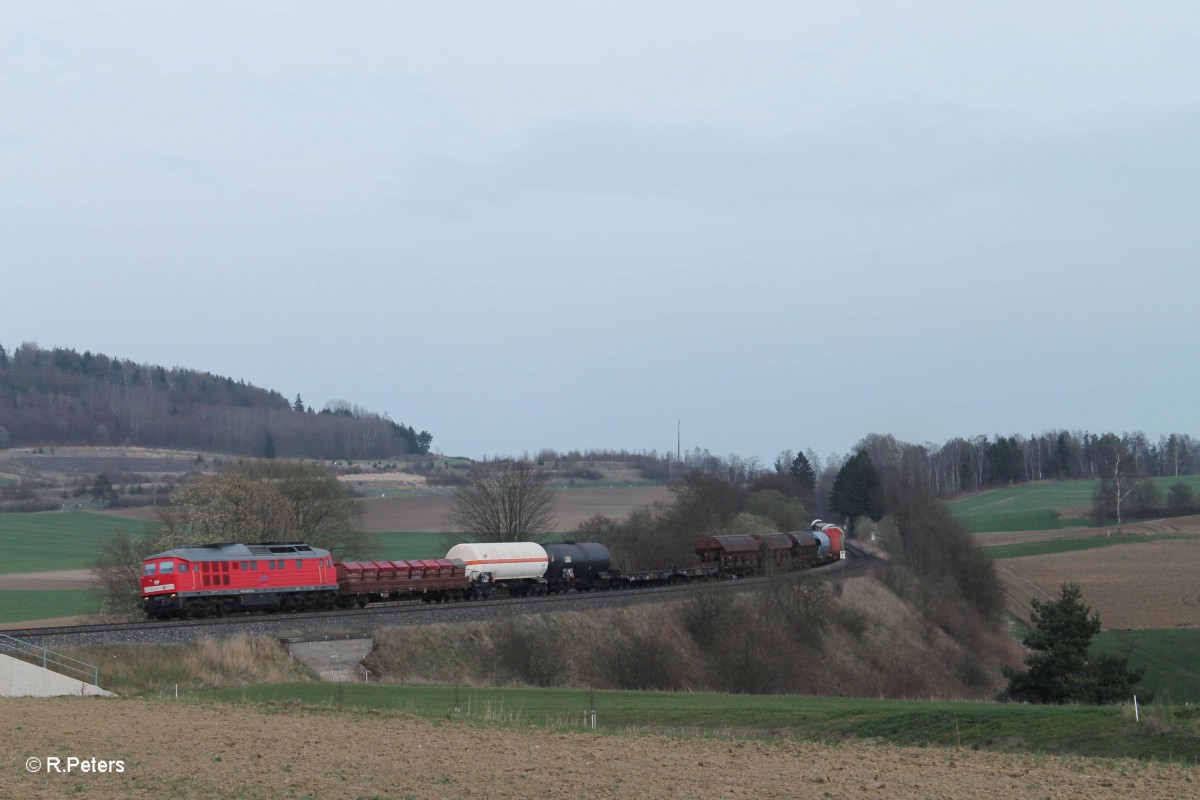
{"x": 570, "y": 224}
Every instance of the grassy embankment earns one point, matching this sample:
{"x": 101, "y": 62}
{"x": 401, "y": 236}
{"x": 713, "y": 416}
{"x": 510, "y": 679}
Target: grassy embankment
{"x": 258, "y": 670}
{"x": 1172, "y": 734}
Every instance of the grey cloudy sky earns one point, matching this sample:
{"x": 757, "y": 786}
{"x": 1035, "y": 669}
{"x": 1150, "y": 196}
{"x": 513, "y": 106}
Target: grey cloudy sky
{"x": 570, "y": 224}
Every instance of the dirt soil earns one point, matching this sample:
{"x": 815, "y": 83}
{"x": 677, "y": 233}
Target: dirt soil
{"x": 56, "y": 579}
{"x": 1155, "y": 584}
{"x": 186, "y": 751}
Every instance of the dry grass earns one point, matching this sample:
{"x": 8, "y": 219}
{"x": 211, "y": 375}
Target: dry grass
{"x": 876, "y": 644}
{"x": 157, "y": 669}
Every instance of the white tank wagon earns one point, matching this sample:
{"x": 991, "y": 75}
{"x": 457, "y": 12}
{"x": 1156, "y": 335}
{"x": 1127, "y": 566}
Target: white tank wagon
{"x": 517, "y": 566}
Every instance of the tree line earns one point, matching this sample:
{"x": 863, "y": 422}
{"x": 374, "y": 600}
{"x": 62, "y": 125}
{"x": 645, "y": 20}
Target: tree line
{"x": 960, "y": 465}
{"x": 61, "y": 397}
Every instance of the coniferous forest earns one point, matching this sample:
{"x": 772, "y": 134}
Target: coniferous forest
{"x": 61, "y": 397}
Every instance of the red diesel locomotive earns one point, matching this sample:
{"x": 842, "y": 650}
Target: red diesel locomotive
{"x": 217, "y": 579}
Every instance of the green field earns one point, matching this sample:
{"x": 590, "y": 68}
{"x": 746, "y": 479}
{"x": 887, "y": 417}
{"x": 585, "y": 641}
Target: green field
{"x": 1078, "y": 730}
{"x": 19, "y": 605}
{"x": 56, "y": 539}
{"x": 1035, "y": 507}
{"x": 1048, "y": 546}
{"x": 1171, "y": 659}
{"x": 409, "y": 546}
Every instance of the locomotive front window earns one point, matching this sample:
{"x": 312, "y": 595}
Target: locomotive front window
{"x": 166, "y": 566}
{"x": 148, "y": 569}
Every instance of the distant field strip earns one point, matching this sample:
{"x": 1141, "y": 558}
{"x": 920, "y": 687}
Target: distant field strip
{"x": 1034, "y": 507}
{"x": 54, "y": 540}
{"x": 1082, "y": 730}
{"x": 410, "y": 546}
{"x": 1171, "y": 659}
{"x": 1047, "y": 546}
{"x": 1042, "y": 519}
{"x": 18, "y": 605}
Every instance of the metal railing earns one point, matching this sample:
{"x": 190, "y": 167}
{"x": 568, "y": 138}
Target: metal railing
{"x": 48, "y": 659}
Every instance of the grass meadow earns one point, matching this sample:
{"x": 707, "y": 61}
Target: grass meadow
{"x": 410, "y": 546}
{"x": 52, "y": 540}
{"x": 1050, "y": 546}
{"x": 1041, "y": 506}
{"x": 1060, "y": 730}
{"x": 1171, "y": 658}
{"x": 19, "y": 605}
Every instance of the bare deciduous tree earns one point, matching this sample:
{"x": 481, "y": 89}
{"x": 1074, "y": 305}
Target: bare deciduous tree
{"x": 507, "y": 502}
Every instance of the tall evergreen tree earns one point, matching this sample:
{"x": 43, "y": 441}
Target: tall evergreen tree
{"x": 857, "y": 490}
{"x": 803, "y": 472}
{"x": 103, "y": 491}
{"x": 1061, "y": 670}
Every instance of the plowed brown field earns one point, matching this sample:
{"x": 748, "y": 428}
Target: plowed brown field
{"x": 1155, "y": 584}
{"x": 184, "y": 751}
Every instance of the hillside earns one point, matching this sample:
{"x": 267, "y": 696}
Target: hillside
{"x": 51, "y": 398}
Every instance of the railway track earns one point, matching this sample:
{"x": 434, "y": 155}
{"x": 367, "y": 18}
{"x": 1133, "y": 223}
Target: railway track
{"x": 378, "y": 615}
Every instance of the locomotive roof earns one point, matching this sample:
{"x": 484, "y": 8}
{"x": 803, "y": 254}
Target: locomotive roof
{"x": 232, "y": 551}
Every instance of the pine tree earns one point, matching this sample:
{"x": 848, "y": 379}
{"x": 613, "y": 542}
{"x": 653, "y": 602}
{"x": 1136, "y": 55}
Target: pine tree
{"x": 1061, "y": 670}
{"x": 803, "y": 472}
{"x": 857, "y": 490}
{"x": 103, "y": 491}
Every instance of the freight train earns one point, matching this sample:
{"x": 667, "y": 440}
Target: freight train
{"x": 227, "y": 578}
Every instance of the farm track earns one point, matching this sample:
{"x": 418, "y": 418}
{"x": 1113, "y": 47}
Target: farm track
{"x": 387, "y": 614}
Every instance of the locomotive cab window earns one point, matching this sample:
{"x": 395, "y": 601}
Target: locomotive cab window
{"x": 166, "y": 566}
{"x": 148, "y": 569}
{"x": 183, "y": 567}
